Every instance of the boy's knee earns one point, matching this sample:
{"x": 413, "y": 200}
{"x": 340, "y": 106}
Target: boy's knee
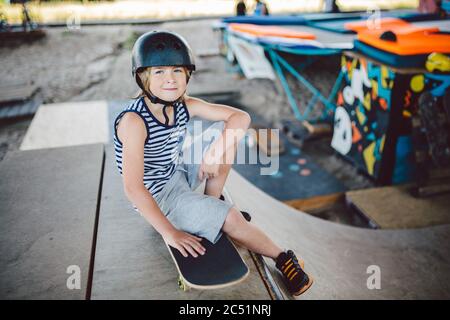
{"x": 233, "y": 220}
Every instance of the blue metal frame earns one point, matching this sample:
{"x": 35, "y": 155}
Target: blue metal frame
{"x": 278, "y": 61}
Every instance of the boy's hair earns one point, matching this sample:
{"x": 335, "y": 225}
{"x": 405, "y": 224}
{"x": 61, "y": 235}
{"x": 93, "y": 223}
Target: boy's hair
{"x": 144, "y": 74}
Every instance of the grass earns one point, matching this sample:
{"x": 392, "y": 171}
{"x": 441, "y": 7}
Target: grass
{"x": 166, "y": 9}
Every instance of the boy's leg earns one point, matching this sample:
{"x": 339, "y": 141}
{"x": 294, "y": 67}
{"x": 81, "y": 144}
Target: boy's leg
{"x": 257, "y": 241}
{"x": 249, "y": 235}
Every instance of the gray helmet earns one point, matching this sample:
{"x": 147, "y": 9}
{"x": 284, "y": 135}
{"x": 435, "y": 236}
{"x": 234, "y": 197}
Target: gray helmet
{"x": 161, "y": 48}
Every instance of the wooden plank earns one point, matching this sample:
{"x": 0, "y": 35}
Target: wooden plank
{"x": 394, "y": 207}
{"x": 19, "y": 109}
{"x": 48, "y": 207}
{"x": 16, "y": 92}
{"x": 316, "y": 204}
{"x": 317, "y": 129}
{"x": 68, "y": 124}
{"x": 434, "y": 189}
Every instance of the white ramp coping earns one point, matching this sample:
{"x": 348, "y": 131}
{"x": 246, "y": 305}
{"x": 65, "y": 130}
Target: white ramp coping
{"x": 68, "y": 124}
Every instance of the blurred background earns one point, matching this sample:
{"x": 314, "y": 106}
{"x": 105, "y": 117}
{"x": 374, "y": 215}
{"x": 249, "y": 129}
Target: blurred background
{"x": 52, "y": 11}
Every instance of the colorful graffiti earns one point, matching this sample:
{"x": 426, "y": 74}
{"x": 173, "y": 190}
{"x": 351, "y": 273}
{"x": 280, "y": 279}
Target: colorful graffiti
{"x": 366, "y": 99}
{"x": 370, "y": 94}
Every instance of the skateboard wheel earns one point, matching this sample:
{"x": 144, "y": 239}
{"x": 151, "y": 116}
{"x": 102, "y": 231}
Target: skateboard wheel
{"x": 182, "y": 285}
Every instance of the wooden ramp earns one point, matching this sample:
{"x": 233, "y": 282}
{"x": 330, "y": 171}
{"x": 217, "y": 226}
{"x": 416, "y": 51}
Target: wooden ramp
{"x": 60, "y": 207}
{"x": 413, "y": 264}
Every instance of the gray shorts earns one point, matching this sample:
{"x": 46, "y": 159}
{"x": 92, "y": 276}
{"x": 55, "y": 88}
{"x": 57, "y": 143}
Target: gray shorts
{"x": 189, "y": 210}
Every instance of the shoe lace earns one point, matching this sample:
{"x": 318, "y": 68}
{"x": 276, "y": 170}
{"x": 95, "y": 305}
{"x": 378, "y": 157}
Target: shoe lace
{"x": 291, "y": 267}
{"x": 296, "y": 263}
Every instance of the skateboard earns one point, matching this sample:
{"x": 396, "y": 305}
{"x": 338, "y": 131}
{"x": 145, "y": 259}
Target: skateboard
{"x": 219, "y": 267}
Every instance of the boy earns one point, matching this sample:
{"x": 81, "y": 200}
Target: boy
{"x": 159, "y": 182}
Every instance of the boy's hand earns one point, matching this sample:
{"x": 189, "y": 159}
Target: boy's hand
{"x": 208, "y": 171}
{"x": 185, "y": 242}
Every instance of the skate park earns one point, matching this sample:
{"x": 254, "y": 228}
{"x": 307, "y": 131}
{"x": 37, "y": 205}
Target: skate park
{"x": 64, "y": 208}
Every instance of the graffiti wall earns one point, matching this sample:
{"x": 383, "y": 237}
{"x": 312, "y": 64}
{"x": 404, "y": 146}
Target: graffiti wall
{"x": 375, "y": 106}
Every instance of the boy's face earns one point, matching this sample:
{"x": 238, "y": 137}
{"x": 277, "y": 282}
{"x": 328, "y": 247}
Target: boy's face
{"x": 168, "y": 83}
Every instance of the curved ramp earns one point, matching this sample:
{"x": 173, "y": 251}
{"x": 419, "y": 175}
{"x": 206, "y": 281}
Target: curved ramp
{"x": 413, "y": 264}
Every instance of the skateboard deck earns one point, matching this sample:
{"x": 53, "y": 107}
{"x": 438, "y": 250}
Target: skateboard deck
{"x": 220, "y": 266}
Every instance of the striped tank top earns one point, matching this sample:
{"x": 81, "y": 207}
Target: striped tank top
{"x": 162, "y": 146}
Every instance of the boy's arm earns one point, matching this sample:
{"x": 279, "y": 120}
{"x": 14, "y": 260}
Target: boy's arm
{"x": 132, "y": 133}
{"x": 236, "y": 125}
